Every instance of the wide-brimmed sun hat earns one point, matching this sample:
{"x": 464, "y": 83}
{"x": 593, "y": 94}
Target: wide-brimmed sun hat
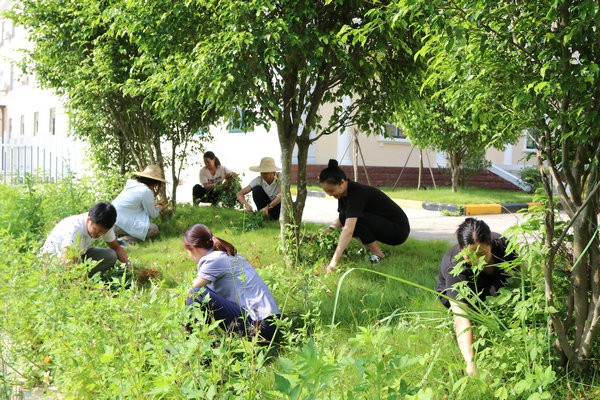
{"x": 152, "y": 171}
{"x": 267, "y": 164}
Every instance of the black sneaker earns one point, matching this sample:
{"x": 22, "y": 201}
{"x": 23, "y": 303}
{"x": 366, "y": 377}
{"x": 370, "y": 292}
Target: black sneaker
{"x": 374, "y": 259}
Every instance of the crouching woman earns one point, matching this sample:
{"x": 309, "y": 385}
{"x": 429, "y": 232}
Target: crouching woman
{"x": 228, "y": 286}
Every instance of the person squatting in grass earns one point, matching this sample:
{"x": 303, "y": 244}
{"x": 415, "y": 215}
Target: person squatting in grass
{"x": 365, "y": 213}
{"x": 228, "y": 286}
{"x": 266, "y": 189}
{"x": 72, "y": 237}
{"x": 135, "y": 206}
{"x": 211, "y": 176}
{"x": 475, "y": 237}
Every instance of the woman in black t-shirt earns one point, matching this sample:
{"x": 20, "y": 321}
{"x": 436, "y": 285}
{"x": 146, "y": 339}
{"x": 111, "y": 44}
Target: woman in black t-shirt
{"x": 475, "y": 235}
{"x": 365, "y": 213}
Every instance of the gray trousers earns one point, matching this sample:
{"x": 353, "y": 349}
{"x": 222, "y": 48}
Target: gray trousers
{"x": 107, "y": 258}
{"x": 152, "y": 231}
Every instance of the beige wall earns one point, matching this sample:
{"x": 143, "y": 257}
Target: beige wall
{"x": 382, "y": 151}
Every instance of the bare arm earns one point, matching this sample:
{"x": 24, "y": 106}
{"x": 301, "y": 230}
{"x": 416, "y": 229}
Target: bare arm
{"x": 464, "y": 336}
{"x": 65, "y": 259}
{"x": 272, "y": 204}
{"x": 121, "y": 255}
{"x": 343, "y": 242}
{"x": 199, "y": 282}
{"x": 242, "y": 199}
{"x": 334, "y": 225}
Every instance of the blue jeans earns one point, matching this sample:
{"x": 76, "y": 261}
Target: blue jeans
{"x": 231, "y": 314}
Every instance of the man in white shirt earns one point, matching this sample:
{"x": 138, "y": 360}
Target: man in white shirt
{"x": 266, "y": 189}
{"x": 72, "y": 237}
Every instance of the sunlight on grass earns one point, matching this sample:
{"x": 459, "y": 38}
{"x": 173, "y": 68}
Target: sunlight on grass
{"x": 443, "y": 194}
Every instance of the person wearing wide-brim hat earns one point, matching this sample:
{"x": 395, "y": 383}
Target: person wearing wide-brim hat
{"x": 136, "y": 206}
{"x": 266, "y": 189}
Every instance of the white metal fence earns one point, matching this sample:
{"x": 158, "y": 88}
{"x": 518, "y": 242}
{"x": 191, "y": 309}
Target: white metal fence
{"x": 17, "y": 160}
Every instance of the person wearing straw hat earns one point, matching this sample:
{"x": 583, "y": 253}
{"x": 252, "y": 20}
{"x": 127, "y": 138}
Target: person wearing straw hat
{"x": 266, "y": 189}
{"x": 136, "y": 206}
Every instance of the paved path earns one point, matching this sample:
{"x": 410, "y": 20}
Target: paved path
{"x": 425, "y": 225}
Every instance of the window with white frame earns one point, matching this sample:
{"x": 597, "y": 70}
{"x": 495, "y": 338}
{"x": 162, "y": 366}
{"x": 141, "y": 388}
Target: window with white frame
{"x": 392, "y": 133}
{"x": 52, "y": 121}
{"x": 22, "y": 126}
{"x": 531, "y": 139}
{"x": 36, "y": 123}
{"x": 237, "y": 122}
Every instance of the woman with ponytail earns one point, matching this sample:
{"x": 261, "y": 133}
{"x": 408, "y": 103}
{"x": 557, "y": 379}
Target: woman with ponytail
{"x": 365, "y": 213}
{"x": 237, "y": 295}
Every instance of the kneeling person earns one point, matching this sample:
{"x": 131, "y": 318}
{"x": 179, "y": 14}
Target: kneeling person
{"x": 266, "y": 189}
{"x": 71, "y": 238}
{"x": 474, "y": 236}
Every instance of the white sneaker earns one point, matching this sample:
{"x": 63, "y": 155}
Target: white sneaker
{"x": 375, "y": 259}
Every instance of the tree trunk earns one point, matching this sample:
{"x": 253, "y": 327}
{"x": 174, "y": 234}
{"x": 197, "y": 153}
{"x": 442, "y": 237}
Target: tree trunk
{"x": 287, "y": 218}
{"x": 455, "y": 162}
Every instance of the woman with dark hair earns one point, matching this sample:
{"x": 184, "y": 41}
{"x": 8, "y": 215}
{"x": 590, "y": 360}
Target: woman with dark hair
{"x": 365, "y": 213}
{"x": 474, "y": 236}
{"x": 237, "y": 295}
{"x": 211, "y": 175}
{"x": 136, "y": 206}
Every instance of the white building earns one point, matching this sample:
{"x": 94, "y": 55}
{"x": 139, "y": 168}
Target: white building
{"x": 35, "y": 135}
{"x": 33, "y": 125}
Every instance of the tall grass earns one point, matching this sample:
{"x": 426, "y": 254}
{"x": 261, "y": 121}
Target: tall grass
{"x": 391, "y": 339}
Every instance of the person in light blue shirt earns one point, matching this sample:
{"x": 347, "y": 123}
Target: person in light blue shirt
{"x": 228, "y": 286}
{"x": 136, "y": 206}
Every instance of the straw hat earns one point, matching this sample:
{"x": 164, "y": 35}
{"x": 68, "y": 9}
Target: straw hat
{"x": 152, "y": 171}
{"x": 267, "y": 164}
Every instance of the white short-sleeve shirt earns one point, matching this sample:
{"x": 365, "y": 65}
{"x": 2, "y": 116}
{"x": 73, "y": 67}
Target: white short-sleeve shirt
{"x": 219, "y": 175}
{"x": 72, "y": 233}
{"x": 272, "y": 190}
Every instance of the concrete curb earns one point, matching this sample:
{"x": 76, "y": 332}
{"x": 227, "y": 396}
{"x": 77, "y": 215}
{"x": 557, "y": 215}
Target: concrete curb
{"x": 457, "y": 209}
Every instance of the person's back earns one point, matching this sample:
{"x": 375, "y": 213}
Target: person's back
{"x": 236, "y": 279}
{"x": 71, "y": 238}
{"x": 69, "y": 232}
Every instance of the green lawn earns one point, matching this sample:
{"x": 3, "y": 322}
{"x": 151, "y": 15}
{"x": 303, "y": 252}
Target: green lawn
{"x": 443, "y": 194}
{"x": 390, "y": 334}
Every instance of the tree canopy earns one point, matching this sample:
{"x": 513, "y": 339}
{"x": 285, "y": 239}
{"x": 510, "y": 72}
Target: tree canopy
{"x": 536, "y": 65}
{"x": 281, "y": 62}
{"x": 97, "y": 72}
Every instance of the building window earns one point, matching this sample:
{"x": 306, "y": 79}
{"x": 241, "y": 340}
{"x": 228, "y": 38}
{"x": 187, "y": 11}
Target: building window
{"x": 52, "y": 121}
{"x": 10, "y": 128}
{"x": 22, "y": 126}
{"x": 393, "y": 132}
{"x": 2, "y": 34}
{"x": 531, "y": 139}
{"x": 236, "y": 122}
{"x": 36, "y": 123}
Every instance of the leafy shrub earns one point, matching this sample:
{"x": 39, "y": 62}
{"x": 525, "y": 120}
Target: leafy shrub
{"x": 249, "y": 221}
{"x": 532, "y": 178}
{"x": 323, "y": 245}
{"x": 21, "y": 211}
{"x": 229, "y": 189}
{"x": 473, "y": 165}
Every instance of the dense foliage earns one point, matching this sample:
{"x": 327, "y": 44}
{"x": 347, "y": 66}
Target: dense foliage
{"x": 77, "y": 52}
{"x": 94, "y": 338}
